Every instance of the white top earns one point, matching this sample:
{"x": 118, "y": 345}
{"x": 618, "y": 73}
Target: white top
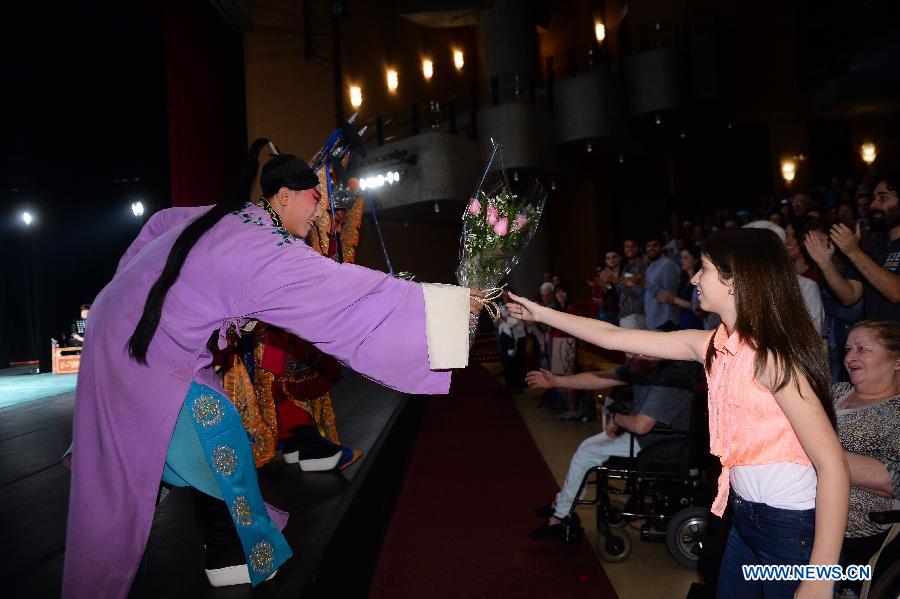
{"x": 783, "y": 485}
{"x": 812, "y": 298}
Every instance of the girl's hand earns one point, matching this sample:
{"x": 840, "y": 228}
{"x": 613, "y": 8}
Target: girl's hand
{"x": 815, "y": 589}
{"x": 541, "y": 379}
{"x": 524, "y": 309}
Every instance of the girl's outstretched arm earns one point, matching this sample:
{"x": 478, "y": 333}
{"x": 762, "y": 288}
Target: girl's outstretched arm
{"x": 677, "y": 345}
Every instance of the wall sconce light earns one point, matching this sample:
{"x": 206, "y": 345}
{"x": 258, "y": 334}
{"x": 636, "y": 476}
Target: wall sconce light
{"x": 392, "y": 80}
{"x": 788, "y": 170}
{"x": 355, "y": 96}
{"x": 599, "y": 31}
{"x": 427, "y": 68}
{"x": 458, "y": 59}
{"x": 867, "y": 151}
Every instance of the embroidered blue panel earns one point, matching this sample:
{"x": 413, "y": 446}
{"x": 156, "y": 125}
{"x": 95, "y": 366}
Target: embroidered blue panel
{"x": 227, "y": 449}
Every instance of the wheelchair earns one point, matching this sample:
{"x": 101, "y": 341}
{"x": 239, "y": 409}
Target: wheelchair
{"x": 886, "y": 573}
{"x": 666, "y": 490}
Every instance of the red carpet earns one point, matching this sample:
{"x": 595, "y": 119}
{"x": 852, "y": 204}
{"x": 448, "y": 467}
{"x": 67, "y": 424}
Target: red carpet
{"x": 461, "y": 524}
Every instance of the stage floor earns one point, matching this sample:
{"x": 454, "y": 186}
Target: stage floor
{"x": 34, "y": 495}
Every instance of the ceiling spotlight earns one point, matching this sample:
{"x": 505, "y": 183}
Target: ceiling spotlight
{"x": 437, "y": 207}
{"x": 658, "y": 120}
{"x": 427, "y": 68}
{"x": 683, "y": 135}
{"x": 552, "y": 185}
{"x": 590, "y": 148}
{"x": 599, "y": 31}
{"x": 137, "y": 208}
{"x": 621, "y": 158}
{"x": 27, "y": 218}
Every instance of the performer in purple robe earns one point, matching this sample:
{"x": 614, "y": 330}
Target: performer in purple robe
{"x": 146, "y": 363}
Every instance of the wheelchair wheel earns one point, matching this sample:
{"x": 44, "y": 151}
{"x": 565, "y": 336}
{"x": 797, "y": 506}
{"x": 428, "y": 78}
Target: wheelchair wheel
{"x": 888, "y": 584}
{"x": 684, "y": 535}
{"x": 614, "y": 548}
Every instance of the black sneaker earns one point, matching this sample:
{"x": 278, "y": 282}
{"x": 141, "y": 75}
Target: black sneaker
{"x": 567, "y": 529}
{"x": 312, "y": 451}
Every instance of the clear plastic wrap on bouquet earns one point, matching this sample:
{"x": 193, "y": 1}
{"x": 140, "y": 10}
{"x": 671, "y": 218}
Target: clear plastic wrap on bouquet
{"x": 498, "y": 223}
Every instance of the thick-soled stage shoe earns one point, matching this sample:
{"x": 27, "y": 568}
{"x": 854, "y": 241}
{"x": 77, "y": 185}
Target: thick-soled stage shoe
{"x": 311, "y": 451}
{"x": 224, "y": 561}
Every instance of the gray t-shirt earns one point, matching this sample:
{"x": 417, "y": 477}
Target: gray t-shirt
{"x": 666, "y": 394}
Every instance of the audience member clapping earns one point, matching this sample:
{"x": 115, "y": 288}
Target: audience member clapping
{"x": 868, "y": 419}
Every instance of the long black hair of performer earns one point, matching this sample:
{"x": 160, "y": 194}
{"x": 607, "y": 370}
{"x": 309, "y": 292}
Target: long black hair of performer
{"x": 147, "y": 325}
{"x": 771, "y": 313}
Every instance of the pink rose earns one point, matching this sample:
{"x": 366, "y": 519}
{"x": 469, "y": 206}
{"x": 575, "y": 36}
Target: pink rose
{"x": 493, "y": 216}
{"x": 520, "y": 222}
{"x": 475, "y": 207}
{"x": 502, "y": 226}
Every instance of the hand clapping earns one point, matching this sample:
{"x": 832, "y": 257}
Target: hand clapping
{"x": 846, "y": 239}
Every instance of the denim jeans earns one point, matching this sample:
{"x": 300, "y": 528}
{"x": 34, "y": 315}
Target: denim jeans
{"x": 593, "y": 451}
{"x": 762, "y": 534}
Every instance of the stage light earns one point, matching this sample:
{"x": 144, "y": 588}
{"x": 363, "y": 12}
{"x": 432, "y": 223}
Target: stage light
{"x": 373, "y": 182}
{"x": 27, "y": 218}
{"x": 392, "y": 80}
{"x": 788, "y": 170}
{"x": 458, "y": 59}
{"x": 355, "y": 96}
{"x": 867, "y": 151}
{"x": 137, "y": 208}
{"x": 599, "y": 31}
{"x": 427, "y": 68}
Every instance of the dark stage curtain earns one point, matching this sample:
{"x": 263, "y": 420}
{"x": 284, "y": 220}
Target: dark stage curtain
{"x": 204, "y": 100}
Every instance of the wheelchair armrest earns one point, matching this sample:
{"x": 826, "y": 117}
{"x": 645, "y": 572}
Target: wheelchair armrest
{"x": 662, "y": 429}
{"x": 889, "y": 517}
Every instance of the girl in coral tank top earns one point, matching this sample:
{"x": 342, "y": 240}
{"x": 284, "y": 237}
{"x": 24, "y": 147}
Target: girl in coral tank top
{"x": 770, "y": 417}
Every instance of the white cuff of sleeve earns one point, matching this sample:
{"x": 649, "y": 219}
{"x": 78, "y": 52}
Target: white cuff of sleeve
{"x": 446, "y": 325}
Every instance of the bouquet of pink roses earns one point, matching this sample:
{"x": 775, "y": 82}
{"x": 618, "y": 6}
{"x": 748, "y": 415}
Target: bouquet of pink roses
{"x": 497, "y": 226}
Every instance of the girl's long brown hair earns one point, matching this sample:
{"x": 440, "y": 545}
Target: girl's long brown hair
{"x": 771, "y": 313}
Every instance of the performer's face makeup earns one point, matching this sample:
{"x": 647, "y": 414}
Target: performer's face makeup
{"x": 298, "y": 209}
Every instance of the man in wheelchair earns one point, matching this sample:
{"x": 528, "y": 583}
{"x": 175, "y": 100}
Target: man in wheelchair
{"x": 663, "y": 393}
